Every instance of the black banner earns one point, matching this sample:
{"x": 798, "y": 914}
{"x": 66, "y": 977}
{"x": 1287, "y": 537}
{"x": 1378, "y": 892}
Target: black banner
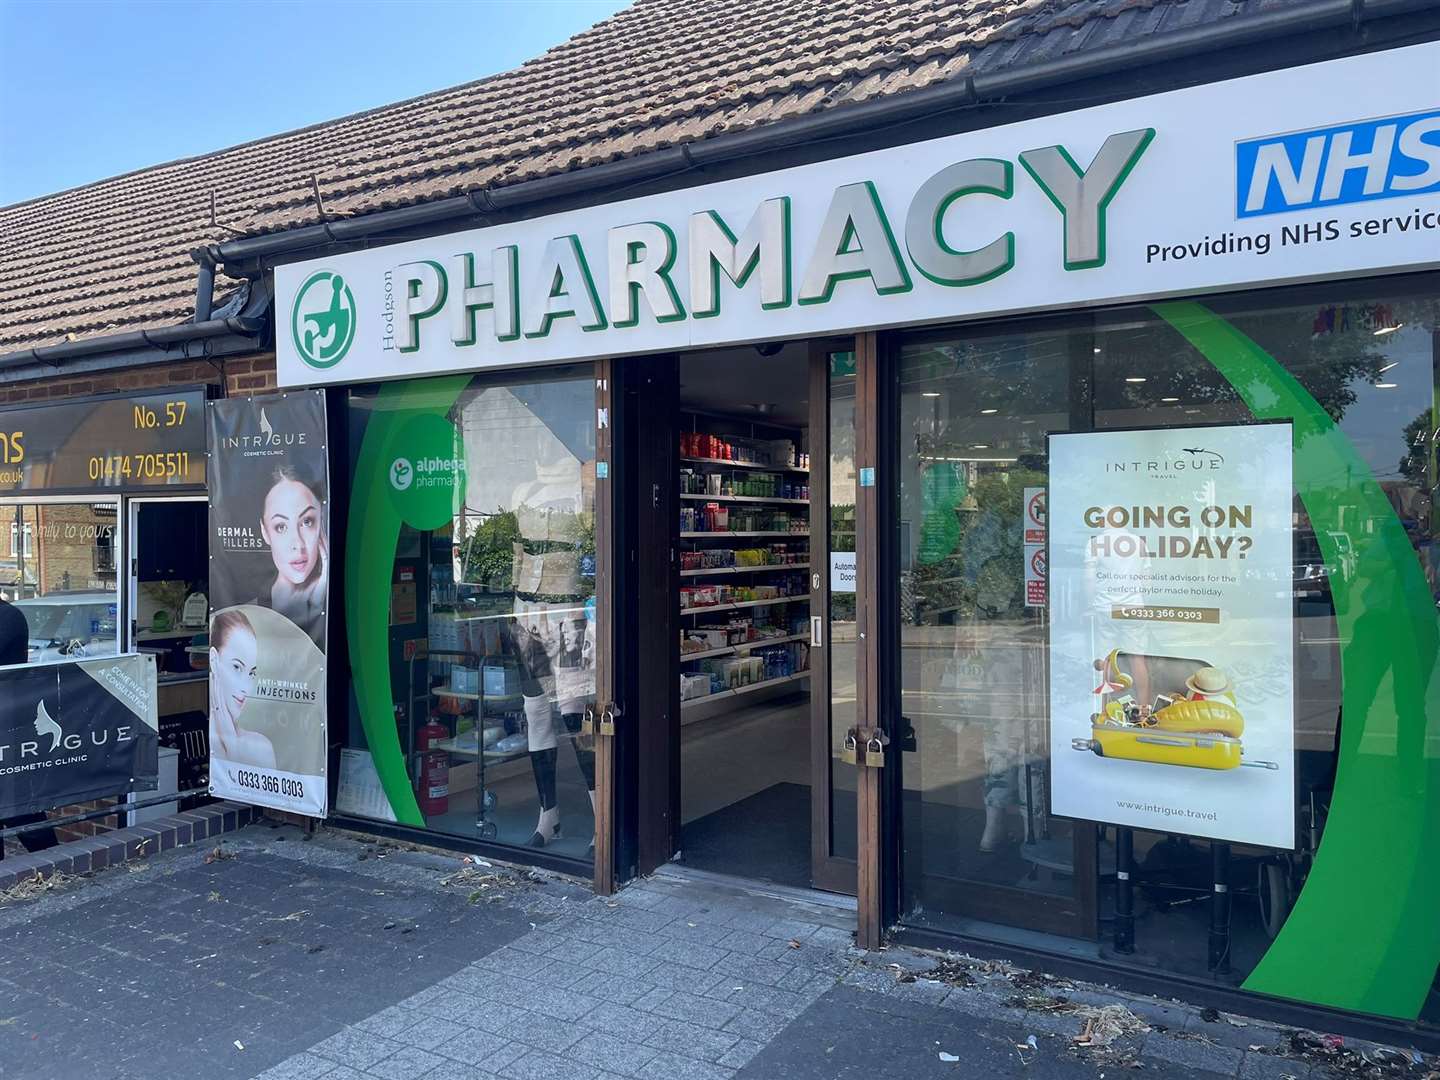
{"x": 104, "y": 444}
{"x": 269, "y": 593}
{"x": 70, "y": 732}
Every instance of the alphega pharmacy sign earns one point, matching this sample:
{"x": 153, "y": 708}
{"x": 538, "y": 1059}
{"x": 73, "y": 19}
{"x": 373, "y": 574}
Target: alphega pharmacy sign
{"x": 1313, "y": 172}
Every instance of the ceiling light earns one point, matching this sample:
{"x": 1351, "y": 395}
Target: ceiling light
{"x": 1169, "y": 400}
{"x": 988, "y": 412}
{"x": 1135, "y": 378}
{"x": 1097, "y": 350}
{"x": 979, "y": 446}
{"x": 1387, "y": 367}
{"x": 929, "y": 393}
{"x": 1385, "y": 386}
{"x": 1388, "y": 329}
{"x": 1191, "y": 412}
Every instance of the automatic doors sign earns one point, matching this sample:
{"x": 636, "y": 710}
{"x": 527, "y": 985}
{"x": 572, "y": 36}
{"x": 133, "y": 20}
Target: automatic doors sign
{"x": 1327, "y": 170}
{"x": 269, "y": 584}
{"x": 1171, "y": 682}
{"x": 71, "y": 732}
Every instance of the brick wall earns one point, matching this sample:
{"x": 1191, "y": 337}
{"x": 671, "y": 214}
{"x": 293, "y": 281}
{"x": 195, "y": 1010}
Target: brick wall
{"x": 240, "y": 375}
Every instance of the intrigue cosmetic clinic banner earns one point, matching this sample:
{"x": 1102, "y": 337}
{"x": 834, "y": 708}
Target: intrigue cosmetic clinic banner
{"x": 75, "y": 731}
{"x": 1171, "y": 683}
{"x": 269, "y": 591}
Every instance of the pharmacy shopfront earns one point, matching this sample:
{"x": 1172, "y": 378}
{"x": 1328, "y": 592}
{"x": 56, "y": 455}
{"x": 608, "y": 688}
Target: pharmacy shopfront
{"x": 1070, "y": 481}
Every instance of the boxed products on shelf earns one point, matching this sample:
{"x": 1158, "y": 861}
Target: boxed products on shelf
{"x": 712, "y": 595}
{"x": 694, "y": 686}
{"x": 715, "y": 517}
{"x": 464, "y": 680}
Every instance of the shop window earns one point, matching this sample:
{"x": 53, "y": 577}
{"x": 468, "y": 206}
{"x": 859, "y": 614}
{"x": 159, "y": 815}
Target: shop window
{"x": 1353, "y": 370}
{"x": 482, "y": 548}
{"x": 56, "y": 577}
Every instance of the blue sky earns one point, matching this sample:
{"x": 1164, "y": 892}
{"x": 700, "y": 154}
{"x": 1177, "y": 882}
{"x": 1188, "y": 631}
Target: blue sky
{"x": 89, "y": 88}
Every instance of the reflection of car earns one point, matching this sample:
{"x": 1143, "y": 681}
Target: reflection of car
{"x": 70, "y": 625}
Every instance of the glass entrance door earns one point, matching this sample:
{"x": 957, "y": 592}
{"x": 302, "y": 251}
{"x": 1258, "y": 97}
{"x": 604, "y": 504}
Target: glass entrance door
{"x": 833, "y": 483}
{"x": 978, "y": 838}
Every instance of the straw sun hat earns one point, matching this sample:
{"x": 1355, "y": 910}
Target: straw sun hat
{"x": 1208, "y": 681}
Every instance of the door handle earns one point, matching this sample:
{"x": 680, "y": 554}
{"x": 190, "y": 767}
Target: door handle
{"x": 817, "y": 630}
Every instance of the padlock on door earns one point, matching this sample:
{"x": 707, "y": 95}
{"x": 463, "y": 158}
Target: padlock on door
{"x": 875, "y": 752}
{"x": 849, "y": 753}
{"x": 607, "y": 718}
{"x": 587, "y": 721}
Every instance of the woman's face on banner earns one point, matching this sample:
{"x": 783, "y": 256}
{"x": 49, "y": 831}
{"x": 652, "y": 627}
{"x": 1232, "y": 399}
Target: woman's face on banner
{"x": 290, "y": 522}
{"x": 232, "y": 666}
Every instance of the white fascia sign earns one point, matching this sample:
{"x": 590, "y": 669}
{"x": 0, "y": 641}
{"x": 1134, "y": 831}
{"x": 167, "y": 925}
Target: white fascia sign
{"x": 1308, "y": 173}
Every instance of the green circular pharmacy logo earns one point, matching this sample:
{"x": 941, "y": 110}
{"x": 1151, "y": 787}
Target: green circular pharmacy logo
{"x": 322, "y": 319}
{"x": 426, "y": 471}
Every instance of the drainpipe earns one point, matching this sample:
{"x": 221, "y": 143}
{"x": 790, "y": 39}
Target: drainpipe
{"x": 204, "y": 285}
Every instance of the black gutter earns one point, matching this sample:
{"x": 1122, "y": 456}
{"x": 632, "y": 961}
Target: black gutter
{"x": 131, "y": 340}
{"x": 915, "y": 105}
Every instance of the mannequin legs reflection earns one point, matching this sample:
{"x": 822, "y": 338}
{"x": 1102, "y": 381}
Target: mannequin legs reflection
{"x": 1002, "y": 760}
{"x": 543, "y": 646}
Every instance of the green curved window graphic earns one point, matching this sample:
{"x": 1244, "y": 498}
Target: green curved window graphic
{"x": 1363, "y": 934}
{"x": 374, "y": 530}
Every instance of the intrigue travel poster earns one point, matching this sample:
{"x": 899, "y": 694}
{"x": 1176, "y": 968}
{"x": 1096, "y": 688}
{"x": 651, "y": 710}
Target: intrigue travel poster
{"x": 269, "y": 591}
{"x": 1171, "y": 682}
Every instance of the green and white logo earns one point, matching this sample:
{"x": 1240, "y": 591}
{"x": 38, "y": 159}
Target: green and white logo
{"x": 322, "y": 319}
{"x": 426, "y": 474}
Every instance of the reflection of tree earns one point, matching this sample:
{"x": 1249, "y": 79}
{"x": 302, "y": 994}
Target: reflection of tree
{"x": 488, "y": 557}
{"x": 984, "y": 572}
{"x": 1420, "y": 433}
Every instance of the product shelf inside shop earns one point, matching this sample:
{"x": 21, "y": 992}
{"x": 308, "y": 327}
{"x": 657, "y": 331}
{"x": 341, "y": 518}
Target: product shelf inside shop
{"x": 744, "y": 465}
{"x": 462, "y": 747}
{"x": 695, "y": 609}
{"x": 746, "y": 499}
{"x": 705, "y": 699}
{"x": 707, "y": 571}
{"x": 730, "y": 650}
{"x": 707, "y": 535}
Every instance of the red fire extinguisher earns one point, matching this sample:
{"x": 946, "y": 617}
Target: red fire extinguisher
{"x": 434, "y": 791}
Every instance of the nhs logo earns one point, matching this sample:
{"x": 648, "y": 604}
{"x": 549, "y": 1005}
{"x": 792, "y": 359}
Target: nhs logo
{"x": 1370, "y": 159}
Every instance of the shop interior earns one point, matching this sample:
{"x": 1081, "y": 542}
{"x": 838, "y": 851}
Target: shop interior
{"x": 744, "y": 613}
{"x": 169, "y": 615}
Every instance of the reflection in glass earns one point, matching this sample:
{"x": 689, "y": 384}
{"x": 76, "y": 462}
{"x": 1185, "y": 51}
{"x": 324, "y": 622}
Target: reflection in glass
{"x": 492, "y": 621}
{"x": 58, "y": 566}
{"x": 973, "y": 418}
{"x": 1359, "y": 365}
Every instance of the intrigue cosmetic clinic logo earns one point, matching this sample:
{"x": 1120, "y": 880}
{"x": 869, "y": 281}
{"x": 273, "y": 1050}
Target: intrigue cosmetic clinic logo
{"x": 322, "y": 319}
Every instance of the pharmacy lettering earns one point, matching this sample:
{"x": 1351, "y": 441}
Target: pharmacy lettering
{"x": 76, "y": 731}
{"x": 269, "y": 587}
